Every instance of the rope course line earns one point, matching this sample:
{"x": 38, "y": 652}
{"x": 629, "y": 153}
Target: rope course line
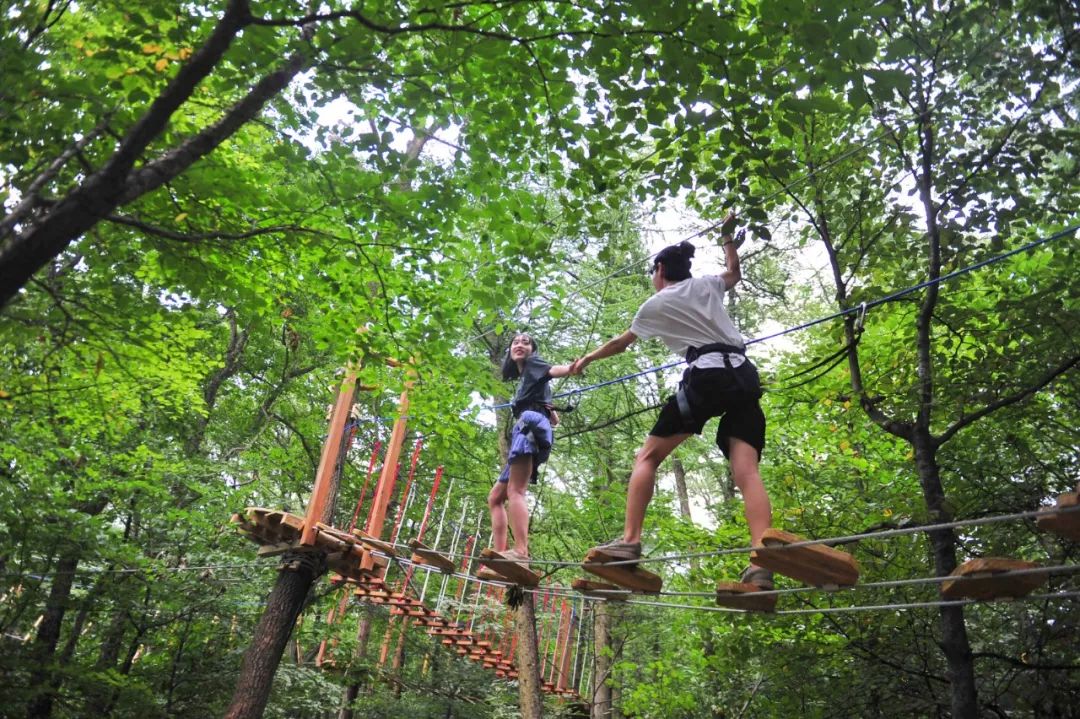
{"x": 553, "y": 591}
{"x": 845, "y": 539}
{"x": 862, "y": 307}
{"x": 1062, "y": 569}
{"x": 1069, "y": 594}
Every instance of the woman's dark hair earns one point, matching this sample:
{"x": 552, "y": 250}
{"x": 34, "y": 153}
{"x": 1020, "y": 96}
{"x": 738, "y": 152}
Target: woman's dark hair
{"x": 509, "y": 366}
{"x": 676, "y": 261}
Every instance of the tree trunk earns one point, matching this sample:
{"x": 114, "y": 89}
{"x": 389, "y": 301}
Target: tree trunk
{"x": 261, "y": 660}
{"x": 954, "y": 640}
{"x": 353, "y": 690}
{"x": 399, "y": 659}
{"x": 528, "y": 661}
{"x": 99, "y": 697}
{"x": 680, "y": 488}
{"x": 601, "y": 688}
{"x": 43, "y": 679}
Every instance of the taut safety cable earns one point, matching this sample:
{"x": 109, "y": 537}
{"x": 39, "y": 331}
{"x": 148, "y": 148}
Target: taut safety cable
{"x": 836, "y": 315}
{"x": 845, "y": 539}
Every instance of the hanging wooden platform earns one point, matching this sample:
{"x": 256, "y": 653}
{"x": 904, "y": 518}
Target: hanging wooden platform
{"x": 601, "y": 590}
{"x": 631, "y": 577}
{"x": 508, "y": 568}
{"x": 815, "y": 564}
{"x": 987, "y": 578}
{"x": 1064, "y": 524}
{"x": 742, "y": 595}
{"x": 425, "y": 555}
{"x": 278, "y": 532}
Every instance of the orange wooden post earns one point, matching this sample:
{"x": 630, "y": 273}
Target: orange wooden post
{"x": 324, "y": 478}
{"x": 384, "y": 490}
{"x": 331, "y": 616}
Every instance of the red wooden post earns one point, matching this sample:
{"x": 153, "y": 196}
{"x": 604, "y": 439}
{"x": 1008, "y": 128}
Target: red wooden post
{"x": 400, "y": 517}
{"x": 367, "y": 480}
{"x": 424, "y": 521}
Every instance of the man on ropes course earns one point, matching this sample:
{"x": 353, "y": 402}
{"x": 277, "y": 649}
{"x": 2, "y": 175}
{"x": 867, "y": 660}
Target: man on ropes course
{"x": 688, "y": 314}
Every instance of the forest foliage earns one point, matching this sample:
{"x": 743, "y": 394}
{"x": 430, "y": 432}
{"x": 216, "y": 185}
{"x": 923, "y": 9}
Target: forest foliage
{"x": 203, "y": 206}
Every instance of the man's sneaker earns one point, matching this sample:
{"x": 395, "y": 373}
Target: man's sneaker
{"x": 619, "y": 550}
{"x": 517, "y": 557}
{"x": 759, "y": 577}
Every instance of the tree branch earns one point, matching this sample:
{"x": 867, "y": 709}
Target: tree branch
{"x": 1006, "y": 401}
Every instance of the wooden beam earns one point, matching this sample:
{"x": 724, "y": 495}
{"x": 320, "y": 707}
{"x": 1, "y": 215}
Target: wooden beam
{"x": 384, "y": 490}
{"x": 317, "y": 509}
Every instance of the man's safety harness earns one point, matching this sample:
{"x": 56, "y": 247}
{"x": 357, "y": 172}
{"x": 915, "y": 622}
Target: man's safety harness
{"x": 685, "y": 397}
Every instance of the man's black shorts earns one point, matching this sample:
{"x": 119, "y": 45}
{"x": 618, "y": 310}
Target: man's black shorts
{"x": 730, "y": 394}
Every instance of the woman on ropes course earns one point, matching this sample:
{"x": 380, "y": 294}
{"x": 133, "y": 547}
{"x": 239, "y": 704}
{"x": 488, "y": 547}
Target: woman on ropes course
{"x": 530, "y": 446}
{"x": 688, "y": 314}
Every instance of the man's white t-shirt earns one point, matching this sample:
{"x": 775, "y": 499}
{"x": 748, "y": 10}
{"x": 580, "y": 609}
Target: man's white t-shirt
{"x": 690, "y": 314}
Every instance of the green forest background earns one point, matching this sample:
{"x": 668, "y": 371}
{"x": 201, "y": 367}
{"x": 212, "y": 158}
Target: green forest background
{"x": 203, "y": 202}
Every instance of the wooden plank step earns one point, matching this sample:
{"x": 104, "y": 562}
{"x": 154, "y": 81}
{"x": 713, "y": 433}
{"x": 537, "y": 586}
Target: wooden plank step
{"x": 981, "y": 579}
{"x": 275, "y": 549}
{"x": 275, "y": 520}
{"x": 419, "y": 612}
{"x": 816, "y": 564}
{"x": 602, "y": 590}
{"x": 740, "y": 595}
{"x": 339, "y": 534}
{"x": 1064, "y": 524}
{"x": 631, "y": 577}
{"x": 374, "y": 543}
{"x": 423, "y": 554}
{"x": 513, "y": 571}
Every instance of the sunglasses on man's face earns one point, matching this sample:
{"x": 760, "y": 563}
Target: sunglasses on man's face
{"x": 652, "y": 270}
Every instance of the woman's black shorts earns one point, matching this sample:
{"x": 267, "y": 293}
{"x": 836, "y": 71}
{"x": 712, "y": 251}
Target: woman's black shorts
{"x": 730, "y": 394}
